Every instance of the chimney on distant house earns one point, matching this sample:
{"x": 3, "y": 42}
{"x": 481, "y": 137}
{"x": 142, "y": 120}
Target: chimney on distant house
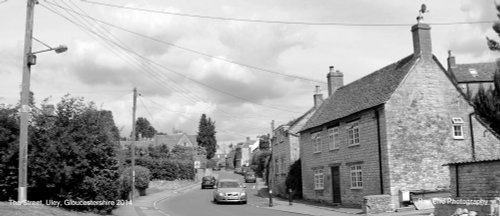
{"x": 422, "y": 45}
{"x": 451, "y": 61}
{"x": 335, "y": 80}
{"x": 318, "y": 98}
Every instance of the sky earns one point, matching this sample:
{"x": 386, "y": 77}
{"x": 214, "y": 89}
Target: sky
{"x": 241, "y": 74}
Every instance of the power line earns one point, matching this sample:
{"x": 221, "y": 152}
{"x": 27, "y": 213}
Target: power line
{"x": 144, "y": 65}
{"x": 110, "y": 42}
{"x": 281, "y": 21}
{"x": 199, "y": 52}
{"x": 178, "y": 73}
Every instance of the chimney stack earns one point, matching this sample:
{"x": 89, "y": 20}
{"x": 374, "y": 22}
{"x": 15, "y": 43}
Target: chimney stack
{"x": 422, "y": 45}
{"x": 335, "y": 80}
{"x": 451, "y": 61}
{"x": 318, "y": 98}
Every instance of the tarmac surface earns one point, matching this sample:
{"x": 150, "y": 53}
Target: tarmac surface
{"x": 147, "y": 206}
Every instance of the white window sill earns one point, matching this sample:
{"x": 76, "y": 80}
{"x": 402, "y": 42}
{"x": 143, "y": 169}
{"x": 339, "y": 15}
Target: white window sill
{"x": 356, "y": 188}
{"x": 352, "y": 145}
{"x": 458, "y": 138}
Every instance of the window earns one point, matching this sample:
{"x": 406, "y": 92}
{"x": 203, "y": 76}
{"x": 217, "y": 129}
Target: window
{"x": 356, "y": 177}
{"x": 283, "y": 166}
{"x": 353, "y": 133}
{"x": 316, "y": 141}
{"x": 318, "y": 179}
{"x": 458, "y": 129}
{"x": 277, "y": 166}
{"x": 333, "y": 138}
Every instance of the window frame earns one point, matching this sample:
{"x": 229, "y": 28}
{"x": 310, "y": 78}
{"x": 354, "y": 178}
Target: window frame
{"x": 356, "y": 174}
{"x": 457, "y": 128}
{"x": 333, "y": 138}
{"x": 316, "y": 141}
{"x": 353, "y": 134}
{"x": 319, "y": 179}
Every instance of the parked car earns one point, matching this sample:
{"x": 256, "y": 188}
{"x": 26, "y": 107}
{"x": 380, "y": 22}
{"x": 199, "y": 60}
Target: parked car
{"x": 250, "y": 177}
{"x": 208, "y": 181}
{"x": 246, "y": 169}
{"x": 237, "y": 170}
{"x": 230, "y": 190}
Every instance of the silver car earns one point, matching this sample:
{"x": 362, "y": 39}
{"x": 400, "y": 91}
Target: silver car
{"x": 230, "y": 190}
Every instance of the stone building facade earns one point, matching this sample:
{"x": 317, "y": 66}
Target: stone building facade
{"x": 286, "y": 147}
{"x": 389, "y": 131}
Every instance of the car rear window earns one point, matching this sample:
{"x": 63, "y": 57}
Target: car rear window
{"x": 207, "y": 177}
{"x": 229, "y": 184}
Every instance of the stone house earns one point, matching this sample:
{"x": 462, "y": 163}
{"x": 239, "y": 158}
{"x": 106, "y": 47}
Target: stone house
{"x": 286, "y": 148}
{"x": 469, "y": 77}
{"x": 390, "y": 131}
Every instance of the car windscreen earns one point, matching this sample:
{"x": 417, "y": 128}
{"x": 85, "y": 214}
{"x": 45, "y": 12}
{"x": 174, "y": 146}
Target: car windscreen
{"x": 229, "y": 184}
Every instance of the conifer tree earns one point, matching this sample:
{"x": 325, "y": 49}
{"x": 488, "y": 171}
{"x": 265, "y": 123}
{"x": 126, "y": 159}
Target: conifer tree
{"x": 487, "y": 101}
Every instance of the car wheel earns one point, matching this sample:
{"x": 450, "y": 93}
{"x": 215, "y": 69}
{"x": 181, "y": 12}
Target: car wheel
{"x": 244, "y": 202}
{"x": 215, "y": 201}
{"x": 202, "y": 187}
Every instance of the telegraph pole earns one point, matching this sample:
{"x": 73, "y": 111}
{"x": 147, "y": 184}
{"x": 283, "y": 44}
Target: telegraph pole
{"x": 25, "y": 106}
{"x": 133, "y": 142}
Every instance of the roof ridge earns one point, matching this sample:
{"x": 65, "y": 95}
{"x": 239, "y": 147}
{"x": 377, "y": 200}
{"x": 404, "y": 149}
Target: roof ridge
{"x": 364, "y": 93}
{"x": 405, "y": 59}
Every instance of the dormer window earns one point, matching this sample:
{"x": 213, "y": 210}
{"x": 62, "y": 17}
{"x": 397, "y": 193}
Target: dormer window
{"x": 458, "y": 128}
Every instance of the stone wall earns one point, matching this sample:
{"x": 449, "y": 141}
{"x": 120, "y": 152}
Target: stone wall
{"x": 480, "y": 180}
{"x": 472, "y": 208}
{"x": 419, "y": 129}
{"x": 377, "y": 204}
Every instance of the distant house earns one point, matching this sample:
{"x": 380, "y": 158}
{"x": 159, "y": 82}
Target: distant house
{"x": 247, "y": 148}
{"x": 286, "y": 148}
{"x": 181, "y": 139}
{"x": 390, "y": 131}
{"x": 469, "y": 77}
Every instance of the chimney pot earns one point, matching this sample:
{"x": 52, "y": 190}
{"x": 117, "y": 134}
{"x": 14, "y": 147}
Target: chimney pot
{"x": 331, "y": 69}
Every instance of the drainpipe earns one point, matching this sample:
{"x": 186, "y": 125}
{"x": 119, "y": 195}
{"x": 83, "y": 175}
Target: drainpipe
{"x": 473, "y": 145}
{"x": 379, "y": 153}
{"x": 456, "y": 180}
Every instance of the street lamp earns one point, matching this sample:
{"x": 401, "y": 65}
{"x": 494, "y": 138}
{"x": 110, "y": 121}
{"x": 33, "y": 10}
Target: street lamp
{"x": 28, "y": 60}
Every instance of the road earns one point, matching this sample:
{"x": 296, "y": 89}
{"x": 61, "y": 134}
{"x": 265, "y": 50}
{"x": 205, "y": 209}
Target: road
{"x": 199, "y": 202}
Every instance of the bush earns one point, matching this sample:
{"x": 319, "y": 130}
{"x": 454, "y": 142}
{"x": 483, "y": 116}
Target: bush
{"x": 294, "y": 179}
{"x": 169, "y": 170}
{"x": 142, "y": 177}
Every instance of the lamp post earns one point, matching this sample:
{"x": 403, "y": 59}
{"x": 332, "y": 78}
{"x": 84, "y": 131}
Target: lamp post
{"x": 29, "y": 59}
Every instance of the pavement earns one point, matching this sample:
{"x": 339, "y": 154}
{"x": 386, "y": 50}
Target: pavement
{"x": 146, "y": 206}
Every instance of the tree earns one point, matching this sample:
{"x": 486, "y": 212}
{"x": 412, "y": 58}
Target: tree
{"x": 144, "y": 128}
{"x": 294, "y": 178}
{"x": 487, "y": 101}
{"x": 73, "y": 155}
{"x": 206, "y": 136}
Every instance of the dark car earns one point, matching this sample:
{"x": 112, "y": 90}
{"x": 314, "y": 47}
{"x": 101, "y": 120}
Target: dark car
{"x": 250, "y": 177}
{"x": 208, "y": 181}
{"x": 230, "y": 190}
